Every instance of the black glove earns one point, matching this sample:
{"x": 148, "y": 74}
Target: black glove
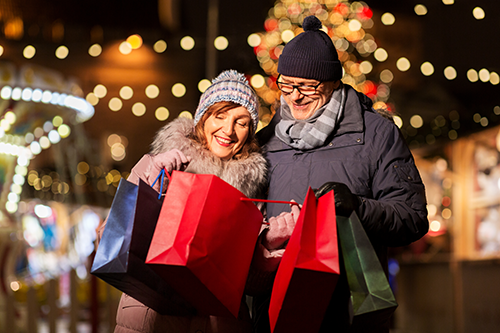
{"x": 345, "y": 201}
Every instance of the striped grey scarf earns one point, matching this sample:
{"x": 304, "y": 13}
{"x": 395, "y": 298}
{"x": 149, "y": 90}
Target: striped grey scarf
{"x": 312, "y": 132}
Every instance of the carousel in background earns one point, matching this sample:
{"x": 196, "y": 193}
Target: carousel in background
{"x": 44, "y": 234}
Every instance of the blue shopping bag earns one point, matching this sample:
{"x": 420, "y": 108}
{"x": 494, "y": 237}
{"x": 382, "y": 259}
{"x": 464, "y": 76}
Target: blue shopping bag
{"x": 121, "y": 254}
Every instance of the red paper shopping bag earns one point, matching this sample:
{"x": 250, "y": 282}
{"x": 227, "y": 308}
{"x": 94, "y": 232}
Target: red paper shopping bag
{"x": 309, "y": 269}
{"x": 204, "y": 241}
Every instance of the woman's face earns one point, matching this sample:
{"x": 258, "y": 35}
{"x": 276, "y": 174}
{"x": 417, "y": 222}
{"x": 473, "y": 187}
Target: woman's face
{"x": 226, "y": 132}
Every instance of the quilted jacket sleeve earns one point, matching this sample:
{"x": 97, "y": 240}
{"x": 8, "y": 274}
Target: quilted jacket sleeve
{"x": 397, "y": 213}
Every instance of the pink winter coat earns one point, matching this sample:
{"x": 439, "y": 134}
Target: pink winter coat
{"x": 249, "y": 176}
{"x": 135, "y": 317}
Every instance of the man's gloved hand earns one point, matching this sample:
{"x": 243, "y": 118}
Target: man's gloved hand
{"x": 280, "y": 229}
{"x": 149, "y": 167}
{"x": 345, "y": 201}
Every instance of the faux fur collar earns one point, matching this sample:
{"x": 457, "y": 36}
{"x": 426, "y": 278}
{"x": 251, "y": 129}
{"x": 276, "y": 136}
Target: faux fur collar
{"x": 247, "y": 175}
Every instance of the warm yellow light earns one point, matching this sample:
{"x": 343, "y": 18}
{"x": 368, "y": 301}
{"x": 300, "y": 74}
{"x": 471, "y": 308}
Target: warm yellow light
{"x": 162, "y": 113}
{"x": 29, "y": 52}
{"x": 4, "y": 125}
{"x": 82, "y": 168}
{"x": 13, "y": 27}
{"x": 398, "y": 121}
{"x": 386, "y": 76}
{"x": 138, "y": 109}
{"x": 476, "y": 117}
{"x": 187, "y": 43}
{"x": 125, "y": 48}
{"x": 178, "y": 90}
{"x": 388, "y": 19}
{"x": 92, "y": 98}
{"x": 354, "y": 25}
{"x": 257, "y": 81}
{"x": 57, "y": 121}
{"x": 221, "y": 43}
{"x": 135, "y": 41}
{"x": 494, "y": 78}
{"x": 472, "y": 75}
{"x": 185, "y": 114}
{"x": 100, "y": 90}
{"x": 112, "y": 139}
{"x": 450, "y": 73}
{"x": 115, "y": 104}
{"x": 484, "y": 122}
{"x": 39, "y": 132}
{"x": 118, "y": 152}
{"x": 427, "y": 68}
{"x": 203, "y": 85}
{"x": 447, "y": 183}
{"x": 484, "y": 75}
{"x": 62, "y": 52}
{"x": 10, "y": 117}
{"x": 80, "y": 179}
{"x": 15, "y": 285}
{"x": 126, "y": 92}
{"x": 403, "y": 64}
{"x": 254, "y": 40}
{"x": 448, "y": 2}
{"x": 95, "y": 50}
{"x": 152, "y": 91}
{"x": 435, "y": 225}
{"x": 380, "y": 54}
{"x": 44, "y": 142}
{"x": 478, "y": 13}
{"x": 416, "y": 121}
{"x": 160, "y": 46}
{"x": 1, "y": 50}
{"x": 64, "y": 131}
{"x": 446, "y": 213}
{"x": 365, "y": 67}
{"x": 420, "y": 10}
{"x": 287, "y": 35}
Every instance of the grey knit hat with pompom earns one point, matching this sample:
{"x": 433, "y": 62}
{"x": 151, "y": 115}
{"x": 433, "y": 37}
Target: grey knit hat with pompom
{"x": 311, "y": 54}
{"x": 229, "y": 86}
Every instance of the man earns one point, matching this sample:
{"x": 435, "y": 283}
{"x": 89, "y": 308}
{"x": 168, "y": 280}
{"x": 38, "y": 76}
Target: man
{"x": 325, "y": 135}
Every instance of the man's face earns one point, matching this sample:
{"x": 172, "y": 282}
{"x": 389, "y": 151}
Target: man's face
{"x": 301, "y": 106}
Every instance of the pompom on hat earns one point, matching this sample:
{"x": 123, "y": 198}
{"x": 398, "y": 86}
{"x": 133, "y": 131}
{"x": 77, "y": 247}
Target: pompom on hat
{"x": 311, "y": 54}
{"x": 229, "y": 86}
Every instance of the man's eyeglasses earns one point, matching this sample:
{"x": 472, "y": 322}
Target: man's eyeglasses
{"x": 288, "y": 88}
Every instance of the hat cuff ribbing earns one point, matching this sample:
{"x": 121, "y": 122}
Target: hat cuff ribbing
{"x": 310, "y": 69}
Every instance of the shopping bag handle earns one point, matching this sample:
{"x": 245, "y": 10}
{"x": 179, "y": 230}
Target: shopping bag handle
{"x": 162, "y": 173}
{"x": 271, "y": 201}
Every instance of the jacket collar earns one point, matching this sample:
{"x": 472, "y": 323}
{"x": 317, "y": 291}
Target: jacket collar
{"x": 352, "y": 121}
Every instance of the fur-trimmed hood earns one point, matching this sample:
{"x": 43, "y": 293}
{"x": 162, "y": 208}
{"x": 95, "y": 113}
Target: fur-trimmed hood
{"x": 247, "y": 175}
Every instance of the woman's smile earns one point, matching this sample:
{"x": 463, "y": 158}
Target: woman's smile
{"x": 226, "y": 132}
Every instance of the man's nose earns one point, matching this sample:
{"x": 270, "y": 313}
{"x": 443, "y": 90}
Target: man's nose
{"x": 295, "y": 95}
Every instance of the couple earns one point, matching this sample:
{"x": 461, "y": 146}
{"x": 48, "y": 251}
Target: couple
{"x": 325, "y": 135}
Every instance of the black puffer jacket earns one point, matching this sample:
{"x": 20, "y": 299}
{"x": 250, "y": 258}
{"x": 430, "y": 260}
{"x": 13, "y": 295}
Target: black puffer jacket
{"x": 367, "y": 153}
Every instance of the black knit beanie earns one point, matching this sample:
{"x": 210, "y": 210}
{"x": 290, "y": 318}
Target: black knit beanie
{"x": 311, "y": 54}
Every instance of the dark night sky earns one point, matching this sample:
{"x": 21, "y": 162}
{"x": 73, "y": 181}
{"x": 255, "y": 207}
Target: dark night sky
{"x": 446, "y": 36}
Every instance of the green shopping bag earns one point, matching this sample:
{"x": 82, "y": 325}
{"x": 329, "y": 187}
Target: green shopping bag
{"x": 368, "y": 284}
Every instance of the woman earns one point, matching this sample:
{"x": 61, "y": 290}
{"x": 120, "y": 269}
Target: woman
{"x": 219, "y": 141}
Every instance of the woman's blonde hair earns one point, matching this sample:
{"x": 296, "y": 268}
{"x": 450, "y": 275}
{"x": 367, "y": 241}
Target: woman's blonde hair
{"x": 250, "y": 145}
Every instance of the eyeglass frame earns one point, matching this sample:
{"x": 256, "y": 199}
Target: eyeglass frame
{"x": 297, "y": 86}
